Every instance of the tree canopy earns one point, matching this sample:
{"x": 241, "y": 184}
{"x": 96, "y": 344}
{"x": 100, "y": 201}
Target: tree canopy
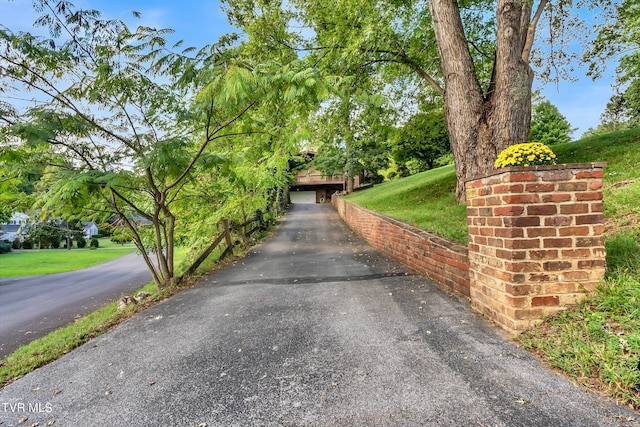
{"x": 129, "y": 126}
{"x": 476, "y": 54}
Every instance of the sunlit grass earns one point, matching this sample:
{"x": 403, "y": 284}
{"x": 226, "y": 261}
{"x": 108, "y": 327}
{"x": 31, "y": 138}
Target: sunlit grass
{"x": 34, "y": 262}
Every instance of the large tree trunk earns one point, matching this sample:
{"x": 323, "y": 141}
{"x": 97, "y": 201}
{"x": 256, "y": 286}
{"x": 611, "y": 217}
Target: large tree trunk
{"x": 481, "y": 125}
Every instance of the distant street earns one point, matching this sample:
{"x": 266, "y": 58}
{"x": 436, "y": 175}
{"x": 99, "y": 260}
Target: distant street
{"x": 31, "y": 307}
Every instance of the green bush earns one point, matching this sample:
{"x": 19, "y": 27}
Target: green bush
{"x": 81, "y": 242}
{"x": 17, "y": 244}
{"x": 98, "y": 236}
{"x": 4, "y": 247}
{"x": 94, "y": 243}
{"x": 55, "y": 244}
{"x": 27, "y": 244}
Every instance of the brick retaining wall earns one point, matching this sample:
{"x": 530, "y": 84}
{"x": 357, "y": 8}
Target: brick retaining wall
{"x": 445, "y": 262}
{"x": 536, "y": 241}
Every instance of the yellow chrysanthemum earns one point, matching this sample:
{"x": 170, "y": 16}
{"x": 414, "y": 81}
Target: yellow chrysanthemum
{"x": 526, "y": 154}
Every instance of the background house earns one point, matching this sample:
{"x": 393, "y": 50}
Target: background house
{"x": 90, "y": 229}
{"x": 9, "y": 231}
{"x": 311, "y": 186}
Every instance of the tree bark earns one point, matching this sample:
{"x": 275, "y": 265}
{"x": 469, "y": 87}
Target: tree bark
{"x": 481, "y": 125}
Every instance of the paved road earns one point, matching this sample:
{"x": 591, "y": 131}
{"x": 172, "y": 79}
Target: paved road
{"x": 31, "y": 307}
{"x": 313, "y": 328}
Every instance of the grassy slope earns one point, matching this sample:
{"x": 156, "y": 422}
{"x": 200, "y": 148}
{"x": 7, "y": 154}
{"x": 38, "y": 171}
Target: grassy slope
{"x": 596, "y": 343}
{"x": 425, "y": 200}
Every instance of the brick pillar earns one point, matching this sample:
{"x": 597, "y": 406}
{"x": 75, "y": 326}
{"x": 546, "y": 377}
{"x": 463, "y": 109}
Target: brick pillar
{"x": 536, "y": 240}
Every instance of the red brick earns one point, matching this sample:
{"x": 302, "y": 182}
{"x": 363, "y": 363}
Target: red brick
{"x": 485, "y": 211}
{"x": 486, "y": 231}
{"x": 477, "y": 201}
{"x": 574, "y": 209}
{"x": 479, "y": 240}
{"x": 542, "y": 278}
{"x": 526, "y": 267}
{"x": 508, "y": 188}
{"x": 542, "y": 210}
{"x": 556, "y": 198}
{"x": 523, "y": 221}
{"x": 477, "y": 183}
{"x": 494, "y": 222}
{"x": 558, "y": 221}
{"x": 598, "y": 229}
{"x": 485, "y": 191}
{"x": 542, "y": 254}
{"x": 596, "y": 185}
{"x": 588, "y": 264}
{"x": 509, "y": 232}
{"x": 598, "y": 173}
{"x": 471, "y": 212}
{"x": 557, "y": 243}
{"x": 589, "y": 195}
{"x": 572, "y": 186}
{"x": 541, "y": 232}
{"x": 513, "y": 199}
{"x": 576, "y": 253}
{"x": 589, "y": 219}
{"x": 494, "y": 201}
{"x": 556, "y": 265}
{"x": 597, "y": 207}
{"x": 574, "y": 231}
{"x": 480, "y": 221}
{"x": 522, "y": 244}
{"x": 540, "y": 188}
{"x": 522, "y": 176}
{"x": 518, "y": 290}
{"x": 511, "y": 255}
{"x": 545, "y": 301}
{"x": 496, "y": 243}
{"x": 509, "y": 210}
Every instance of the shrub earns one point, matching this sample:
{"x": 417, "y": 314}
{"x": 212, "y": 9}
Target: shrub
{"x": 17, "y": 244}
{"x": 526, "y": 154}
{"x": 98, "y": 236}
{"x": 81, "y": 242}
{"x": 27, "y": 244}
{"x": 4, "y": 247}
{"x": 94, "y": 243}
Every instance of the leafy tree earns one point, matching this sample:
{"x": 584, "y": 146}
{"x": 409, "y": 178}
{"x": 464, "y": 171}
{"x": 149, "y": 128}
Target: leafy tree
{"x": 619, "y": 38}
{"x": 548, "y": 126}
{"x": 45, "y": 234}
{"x": 131, "y": 127}
{"x": 476, "y": 54}
{"x": 423, "y": 137}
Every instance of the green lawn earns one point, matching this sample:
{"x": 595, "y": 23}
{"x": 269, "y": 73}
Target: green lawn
{"x": 425, "y": 200}
{"x": 596, "y": 343}
{"x": 33, "y": 262}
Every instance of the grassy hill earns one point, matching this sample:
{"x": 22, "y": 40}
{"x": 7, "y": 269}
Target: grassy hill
{"x": 596, "y": 343}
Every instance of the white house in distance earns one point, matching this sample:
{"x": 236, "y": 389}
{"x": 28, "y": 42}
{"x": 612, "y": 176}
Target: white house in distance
{"x": 13, "y": 228}
{"x": 90, "y": 229}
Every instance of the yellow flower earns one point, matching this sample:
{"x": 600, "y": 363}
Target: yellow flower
{"x": 526, "y": 154}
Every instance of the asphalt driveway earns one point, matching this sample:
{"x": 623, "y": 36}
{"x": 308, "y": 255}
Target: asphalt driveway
{"x": 312, "y": 328}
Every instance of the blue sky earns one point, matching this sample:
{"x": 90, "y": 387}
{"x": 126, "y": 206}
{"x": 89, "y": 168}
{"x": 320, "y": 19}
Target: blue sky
{"x": 202, "y": 22}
